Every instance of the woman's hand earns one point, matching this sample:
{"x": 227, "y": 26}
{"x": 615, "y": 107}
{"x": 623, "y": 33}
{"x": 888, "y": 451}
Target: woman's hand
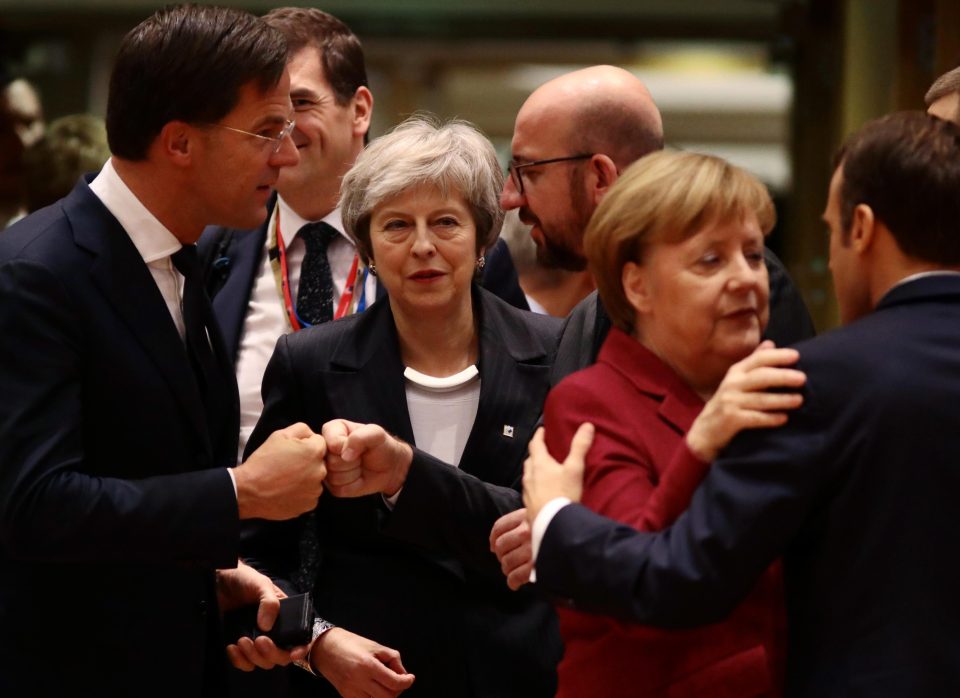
{"x": 742, "y": 401}
{"x": 364, "y": 459}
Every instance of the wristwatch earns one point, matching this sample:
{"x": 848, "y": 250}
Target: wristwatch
{"x": 320, "y": 626}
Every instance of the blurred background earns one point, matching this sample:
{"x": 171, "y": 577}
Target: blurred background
{"x": 772, "y": 85}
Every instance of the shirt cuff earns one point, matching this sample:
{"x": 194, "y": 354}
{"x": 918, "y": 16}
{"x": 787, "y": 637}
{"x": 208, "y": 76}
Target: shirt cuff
{"x": 540, "y": 525}
{"x": 233, "y": 479}
{"x": 391, "y": 501}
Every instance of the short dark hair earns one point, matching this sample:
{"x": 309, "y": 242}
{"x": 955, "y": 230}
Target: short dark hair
{"x": 340, "y": 52}
{"x": 906, "y": 168}
{"x": 187, "y": 63}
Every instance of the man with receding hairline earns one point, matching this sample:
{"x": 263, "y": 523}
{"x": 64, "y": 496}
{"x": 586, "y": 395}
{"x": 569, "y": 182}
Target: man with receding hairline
{"x": 573, "y": 137}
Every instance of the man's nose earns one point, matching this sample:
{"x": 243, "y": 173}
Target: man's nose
{"x": 510, "y": 198}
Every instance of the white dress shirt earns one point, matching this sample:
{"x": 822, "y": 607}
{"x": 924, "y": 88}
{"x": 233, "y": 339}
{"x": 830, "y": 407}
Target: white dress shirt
{"x": 265, "y": 319}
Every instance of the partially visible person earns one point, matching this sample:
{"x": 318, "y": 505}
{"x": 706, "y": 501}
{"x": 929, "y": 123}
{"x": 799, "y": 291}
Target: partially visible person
{"x": 71, "y": 146}
{"x": 459, "y": 376}
{"x": 573, "y": 137}
{"x": 943, "y": 97}
{"x": 676, "y": 247}
{"x": 118, "y": 423}
{"x": 21, "y": 124}
{"x": 856, "y": 491}
{"x": 299, "y": 268}
{"x": 549, "y": 290}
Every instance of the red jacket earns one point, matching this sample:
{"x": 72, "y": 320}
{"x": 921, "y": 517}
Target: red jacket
{"x": 640, "y": 472}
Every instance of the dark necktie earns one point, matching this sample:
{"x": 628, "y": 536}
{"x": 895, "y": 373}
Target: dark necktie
{"x": 197, "y": 316}
{"x": 315, "y": 293}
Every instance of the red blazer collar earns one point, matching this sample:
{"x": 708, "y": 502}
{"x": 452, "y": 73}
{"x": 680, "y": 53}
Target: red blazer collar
{"x": 679, "y": 404}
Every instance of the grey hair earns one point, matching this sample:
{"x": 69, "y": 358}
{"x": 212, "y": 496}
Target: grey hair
{"x": 452, "y": 156}
{"x": 944, "y": 85}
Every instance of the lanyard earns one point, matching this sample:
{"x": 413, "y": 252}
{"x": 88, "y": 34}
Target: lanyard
{"x": 277, "y": 253}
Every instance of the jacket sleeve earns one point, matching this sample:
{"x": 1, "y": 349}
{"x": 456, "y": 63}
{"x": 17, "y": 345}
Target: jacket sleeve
{"x": 750, "y": 506}
{"x": 55, "y": 504}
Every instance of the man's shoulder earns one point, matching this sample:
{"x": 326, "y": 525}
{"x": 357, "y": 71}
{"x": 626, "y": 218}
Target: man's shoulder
{"x": 42, "y": 237}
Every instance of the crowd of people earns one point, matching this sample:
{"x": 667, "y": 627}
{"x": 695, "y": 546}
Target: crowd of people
{"x": 255, "y": 354}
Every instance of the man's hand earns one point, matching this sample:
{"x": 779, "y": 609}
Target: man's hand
{"x": 510, "y": 542}
{"x": 284, "y": 477}
{"x": 545, "y": 479}
{"x": 364, "y": 459}
{"x": 242, "y": 586}
{"x": 358, "y": 667}
{"x": 742, "y": 401}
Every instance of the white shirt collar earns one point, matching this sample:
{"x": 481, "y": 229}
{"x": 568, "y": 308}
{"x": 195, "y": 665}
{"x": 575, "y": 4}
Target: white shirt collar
{"x": 151, "y": 238}
{"x": 291, "y": 222}
{"x": 923, "y": 275}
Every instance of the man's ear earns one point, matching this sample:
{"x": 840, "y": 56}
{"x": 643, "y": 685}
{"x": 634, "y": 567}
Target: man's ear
{"x": 362, "y": 105}
{"x": 863, "y": 228}
{"x": 604, "y": 173}
{"x": 177, "y": 141}
{"x": 636, "y": 287}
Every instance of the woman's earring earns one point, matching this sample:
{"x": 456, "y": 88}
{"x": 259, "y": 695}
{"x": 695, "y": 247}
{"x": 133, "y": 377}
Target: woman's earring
{"x": 481, "y": 263}
{"x": 372, "y": 268}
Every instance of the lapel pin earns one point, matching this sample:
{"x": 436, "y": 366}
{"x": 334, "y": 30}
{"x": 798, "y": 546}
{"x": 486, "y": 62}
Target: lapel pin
{"x": 508, "y": 430}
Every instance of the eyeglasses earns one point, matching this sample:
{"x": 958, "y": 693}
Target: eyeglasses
{"x": 515, "y": 167}
{"x": 276, "y": 138}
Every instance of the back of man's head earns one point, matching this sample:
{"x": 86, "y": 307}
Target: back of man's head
{"x": 187, "y": 63}
{"x": 906, "y": 168}
{"x": 340, "y": 52}
{"x": 943, "y": 97}
{"x": 606, "y": 110}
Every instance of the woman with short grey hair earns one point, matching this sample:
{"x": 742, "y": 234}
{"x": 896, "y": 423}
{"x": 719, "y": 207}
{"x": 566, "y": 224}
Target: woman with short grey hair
{"x": 422, "y": 151}
{"x": 448, "y": 381}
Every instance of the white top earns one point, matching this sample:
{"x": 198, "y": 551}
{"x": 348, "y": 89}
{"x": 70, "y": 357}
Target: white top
{"x": 442, "y": 411}
{"x": 265, "y": 319}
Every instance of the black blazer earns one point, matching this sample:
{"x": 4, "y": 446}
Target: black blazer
{"x": 231, "y": 259}
{"x": 588, "y": 323}
{"x": 420, "y": 579}
{"x": 115, "y": 507}
{"x": 858, "y": 492}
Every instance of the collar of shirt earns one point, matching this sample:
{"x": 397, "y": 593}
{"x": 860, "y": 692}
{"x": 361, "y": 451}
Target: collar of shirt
{"x": 291, "y": 222}
{"x": 923, "y": 275}
{"x": 151, "y": 238}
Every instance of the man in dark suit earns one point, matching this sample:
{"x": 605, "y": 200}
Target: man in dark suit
{"x": 118, "y": 499}
{"x": 247, "y": 270}
{"x": 573, "y": 137}
{"x": 857, "y": 492}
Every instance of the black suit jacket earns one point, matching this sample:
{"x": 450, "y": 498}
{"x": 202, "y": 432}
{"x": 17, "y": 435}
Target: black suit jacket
{"x": 588, "y": 323}
{"x": 115, "y": 507}
{"x": 420, "y": 579}
{"x": 858, "y": 493}
{"x": 231, "y": 259}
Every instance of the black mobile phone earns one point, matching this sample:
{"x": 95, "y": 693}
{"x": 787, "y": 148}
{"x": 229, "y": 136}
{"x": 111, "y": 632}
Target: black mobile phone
{"x": 293, "y": 627}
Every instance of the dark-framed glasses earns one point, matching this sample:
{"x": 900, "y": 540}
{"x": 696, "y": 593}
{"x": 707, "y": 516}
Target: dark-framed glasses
{"x": 275, "y": 136}
{"x": 515, "y": 168}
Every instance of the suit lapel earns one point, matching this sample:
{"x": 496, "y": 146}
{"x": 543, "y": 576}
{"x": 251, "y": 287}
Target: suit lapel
{"x": 245, "y": 252}
{"x": 367, "y": 363}
{"x": 119, "y": 272}
{"x": 514, "y": 372}
{"x": 679, "y": 404}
